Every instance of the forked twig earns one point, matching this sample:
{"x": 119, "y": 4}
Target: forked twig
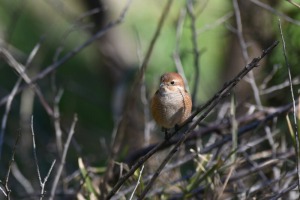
{"x": 42, "y": 183}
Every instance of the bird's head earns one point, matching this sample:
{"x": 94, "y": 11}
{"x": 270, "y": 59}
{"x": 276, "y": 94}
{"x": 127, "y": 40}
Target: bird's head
{"x": 171, "y": 82}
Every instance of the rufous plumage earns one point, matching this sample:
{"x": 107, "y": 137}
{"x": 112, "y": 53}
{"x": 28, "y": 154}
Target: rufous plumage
{"x": 171, "y": 105}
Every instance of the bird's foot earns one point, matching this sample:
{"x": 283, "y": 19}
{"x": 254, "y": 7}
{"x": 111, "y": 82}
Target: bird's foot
{"x": 167, "y": 133}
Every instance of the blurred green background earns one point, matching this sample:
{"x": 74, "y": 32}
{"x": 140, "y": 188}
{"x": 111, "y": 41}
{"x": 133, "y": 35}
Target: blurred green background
{"x": 96, "y": 81}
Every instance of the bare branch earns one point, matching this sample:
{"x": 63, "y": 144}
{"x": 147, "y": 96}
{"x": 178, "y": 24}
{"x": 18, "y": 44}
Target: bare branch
{"x": 13, "y": 93}
{"x": 21, "y": 71}
{"x": 293, "y": 3}
{"x": 63, "y": 158}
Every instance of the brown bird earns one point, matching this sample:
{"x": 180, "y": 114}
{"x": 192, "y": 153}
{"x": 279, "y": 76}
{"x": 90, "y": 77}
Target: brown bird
{"x": 171, "y": 105}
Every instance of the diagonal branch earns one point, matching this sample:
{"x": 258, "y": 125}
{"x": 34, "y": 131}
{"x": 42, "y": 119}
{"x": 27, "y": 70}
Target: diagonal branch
{"x": 223, "y": 94}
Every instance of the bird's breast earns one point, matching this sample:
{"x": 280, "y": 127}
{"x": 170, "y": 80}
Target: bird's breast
{"x": 168, "y": 108}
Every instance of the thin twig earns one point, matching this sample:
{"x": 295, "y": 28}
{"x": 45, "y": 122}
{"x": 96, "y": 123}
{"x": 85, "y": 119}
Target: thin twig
{"x": 284, "y": 191}
{"x": 274, "y": 11}
{"x": 6, "y": 113}
{"x": 294, "y": 104}
{"x": 215, "y": 24}
{"x": 13, "y": 94}
{"x": 6, "y": 191}
{"x": 141, "y": 73}
{"x": 21, "y": 71}
{"x": 190, "y": 9}
{"x": 74, "y": 27}
{"x": 240, "y": 30}
{"x": 137, "y": 183}
{"x": 144, "y": 100}
{"x": 269, "y": 77}
{"x": 42, "y": 183}
{"x": 223, "y": 94}
{"x": 176, "y": 55}
{"x": 293, "y": 3}
{"x": 57, "y": 127}
{"x": 274, "y": 88}
{"x": 251, "y": 79}
{"x": 245, "y": 54}
{"x": 232, "y": 169}
{"x": 63, "y": 158}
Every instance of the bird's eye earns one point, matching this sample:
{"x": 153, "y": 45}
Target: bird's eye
{"x": 172, "y": 82}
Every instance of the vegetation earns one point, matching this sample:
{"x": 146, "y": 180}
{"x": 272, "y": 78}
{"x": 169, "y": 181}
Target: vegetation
{"x": 76, "y": 79}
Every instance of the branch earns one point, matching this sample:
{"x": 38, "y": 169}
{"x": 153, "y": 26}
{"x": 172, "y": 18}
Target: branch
{"x": 293, "y": 3}
{"x": 14, "y": 91}
{"x": 63, "y": 158}
{"x": 18, "y": 67}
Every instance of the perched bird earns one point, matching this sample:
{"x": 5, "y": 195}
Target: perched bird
{"x": 171, "y": 105}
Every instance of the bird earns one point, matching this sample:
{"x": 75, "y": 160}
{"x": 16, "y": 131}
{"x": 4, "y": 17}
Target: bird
{"x": 171, "y": 104}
